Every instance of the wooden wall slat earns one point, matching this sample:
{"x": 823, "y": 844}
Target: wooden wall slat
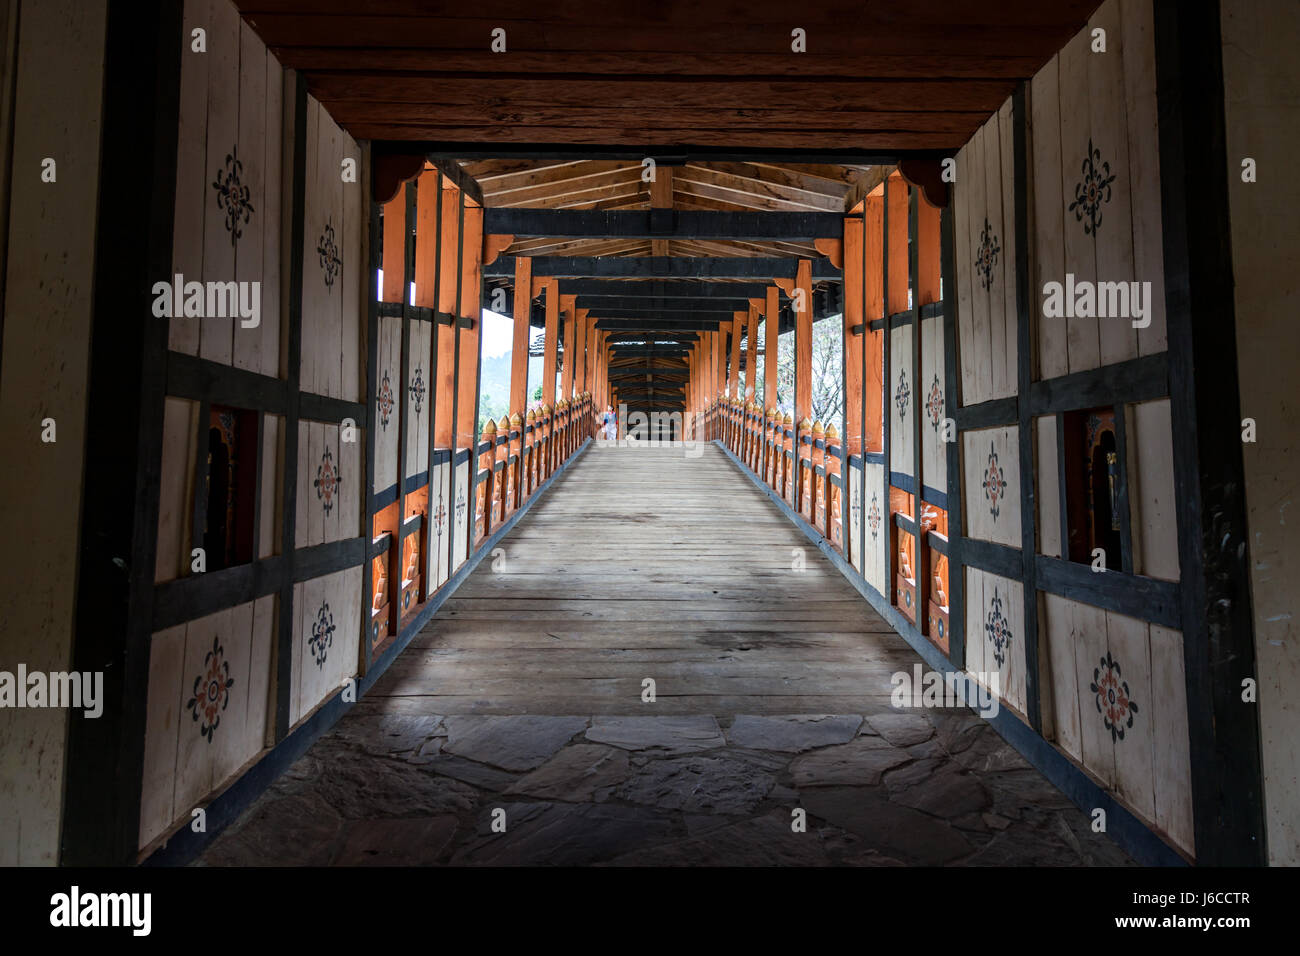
{"x": 1144, "y": 164}
{"x": 216, "y": 339}
{"x": 1063, "y": 688}
{"x": 272, "y": 479}
{"x": 1002, "y": 286}
{"x": 1113, "y": 239}
{"x": 162, "y": 727}
{"x": 250, "y": 263}
{"x": 1172, "y": 762}
{"x": 1009, "y": 346}
{"x": 1151, "y": 490}
{"x": 1082, "y": 340}
{"x": 1134, "y": 752}
{"x": 1048, "y": 250}
{"x": 1047, "y": 494}
{"x": 273, "y": 317}
{"x": 192, "y": 183}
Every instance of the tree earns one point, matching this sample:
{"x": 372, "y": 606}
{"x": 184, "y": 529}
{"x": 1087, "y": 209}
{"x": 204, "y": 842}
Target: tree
{"x": 827, "y": 373}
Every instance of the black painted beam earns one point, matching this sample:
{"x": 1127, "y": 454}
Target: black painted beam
{"x": 1218, "y": 627}
{"x": 652, "y": 313}
{"x": 761, "y": 268}
{"x": 666, "y": 326}
{"x": 456, "y": 173}
{"x": 664, "y": 289}
{"x": 603, "y": 305}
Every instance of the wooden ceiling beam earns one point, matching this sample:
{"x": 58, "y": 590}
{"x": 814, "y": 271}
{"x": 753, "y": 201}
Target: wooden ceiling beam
{"x": 597, "y": 289}
{"x": 681, "y": 224}
{"x": 921, "y": 65}
{"x": 673, "y": 267}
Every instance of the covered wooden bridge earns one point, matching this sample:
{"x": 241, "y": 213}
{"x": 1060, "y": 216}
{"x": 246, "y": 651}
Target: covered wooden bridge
{"x": 861, "y": 452}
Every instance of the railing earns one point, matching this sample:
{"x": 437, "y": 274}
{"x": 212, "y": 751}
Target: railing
{"x": 803, "y": 463}
{"x": 518, "y": 454}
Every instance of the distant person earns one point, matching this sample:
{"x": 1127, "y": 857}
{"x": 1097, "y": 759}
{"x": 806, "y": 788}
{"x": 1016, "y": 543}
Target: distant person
{"x": 611, "y": 424}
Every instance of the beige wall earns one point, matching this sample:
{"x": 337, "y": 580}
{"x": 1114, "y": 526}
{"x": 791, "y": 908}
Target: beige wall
{"x": 49, "y": 274}
{"x": 1262, "y": 108}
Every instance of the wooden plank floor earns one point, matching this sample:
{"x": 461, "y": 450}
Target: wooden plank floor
{"x": 645, "y": 563}
{"x": 522, "y": 702}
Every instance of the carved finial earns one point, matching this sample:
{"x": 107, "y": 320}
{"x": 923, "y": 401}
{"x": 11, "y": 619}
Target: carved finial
{"x": 504, "y": 424}
{"x": 490, "y": 428}
{"x": 832, "y": 433}
{"x": 516, "y": 420}
{"x": 804, "y": 425}
{"x": 818, "y": 428}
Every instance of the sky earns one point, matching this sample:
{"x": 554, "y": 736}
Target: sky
{"x": 498, "y": 330}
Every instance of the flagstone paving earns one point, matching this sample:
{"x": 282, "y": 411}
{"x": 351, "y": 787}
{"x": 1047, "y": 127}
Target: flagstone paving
{"x": 524, "y": 703}
{"x": 947, "y": 791}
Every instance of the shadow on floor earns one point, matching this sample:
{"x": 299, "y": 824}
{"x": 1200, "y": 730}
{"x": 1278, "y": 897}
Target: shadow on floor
{"x": 904, "y": 788}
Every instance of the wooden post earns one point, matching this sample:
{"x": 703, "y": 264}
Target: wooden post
{"x": 734, "y": 386}
{"x": 580, "y": 353}
{"x": 551, "y": 344}
{"x": 803, "y": 341}
{"x": 568, "y": 306}
{"x": 873, "y": 307}
{"x": 519, "y": 345}
{"x": 771, "y": 348}
{"x": 469, "y": 309}
{"x": 854, "y": 329}
{"x": 751, "y": 349}
{"x": 448, "y": 247}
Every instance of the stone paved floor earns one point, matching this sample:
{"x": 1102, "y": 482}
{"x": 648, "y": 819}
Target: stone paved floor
{"x": 904, "y": 788}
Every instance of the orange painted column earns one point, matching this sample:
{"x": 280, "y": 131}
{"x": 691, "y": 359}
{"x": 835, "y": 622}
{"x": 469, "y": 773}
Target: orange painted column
{"x": 519, "y": 343}
{"x": 853, "y": 340}
{"x": 568, "y": 306}
{"x": 580, "y": 353}
{"x": 470, "y": 307}
{"x": 873, "y": 372}
{"x": 803, "y": 342}
{"x": 443, "y": 426}
{"x": 751, "y": 349}
{"x": 733, "y": 372}
{"x": 550, "y": 356}
{"x": 772, "y": 316}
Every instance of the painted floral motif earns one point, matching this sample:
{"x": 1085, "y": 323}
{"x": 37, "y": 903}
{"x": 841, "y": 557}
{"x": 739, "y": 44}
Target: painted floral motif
{"x": 328, "y": 251}
{"x": 873, "y": 517}
{"x": 902, "y": 394}
{"x": 856, "y": 507}
{"x": 322, "y": 634}
{"x": 934, "y": 404}
{"x": 997, "y": 629}
{"x": 1092, "y": 190}
{"x": 233, "y": 195}
{"x": 417, "y": 390}
{"x": 986, "y": 256}
{"x": 439, "y": 516}
{"x": 385, "y": 400}
{"x": 460, "y": 503}
{"x": 211, "y": 691}
{"x": 995, "y": 484}
{"x": 327, "y": 481}
{"x": 1113, "y": 702}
